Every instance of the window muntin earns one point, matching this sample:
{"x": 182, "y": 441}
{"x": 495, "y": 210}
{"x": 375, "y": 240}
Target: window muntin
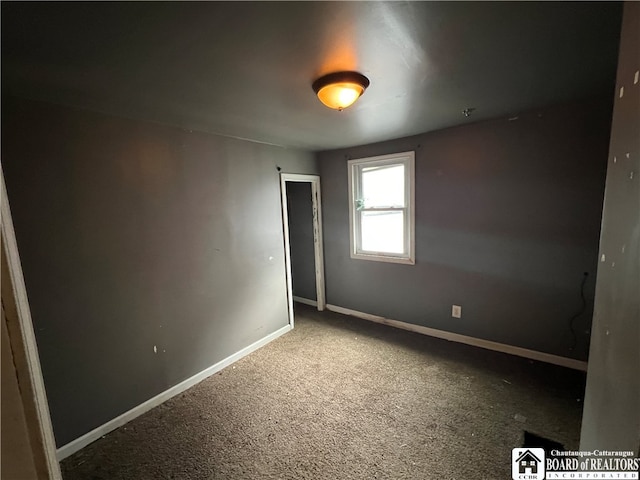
{"x": 381, "y": 208}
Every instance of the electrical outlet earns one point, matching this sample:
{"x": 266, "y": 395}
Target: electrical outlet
{"x": 456, "y": 311}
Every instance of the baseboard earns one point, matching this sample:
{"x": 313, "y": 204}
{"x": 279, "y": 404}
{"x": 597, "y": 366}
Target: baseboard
{"x": 81, "y": 442}
{"x": 476, "y": 342}
{"x": 306, "y": 301}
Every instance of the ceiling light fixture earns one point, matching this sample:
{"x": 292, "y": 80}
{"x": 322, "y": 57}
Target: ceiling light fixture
{"x": 339, "y": 90}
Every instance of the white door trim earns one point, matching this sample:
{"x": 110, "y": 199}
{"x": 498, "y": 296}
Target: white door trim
{"x": 314, "y": 180}
{"x": 25, "y": 350}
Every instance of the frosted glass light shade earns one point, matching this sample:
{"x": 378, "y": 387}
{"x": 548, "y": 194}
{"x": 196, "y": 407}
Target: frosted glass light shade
{"x": 340, "y": 95}
{"x": 340, "y": 89}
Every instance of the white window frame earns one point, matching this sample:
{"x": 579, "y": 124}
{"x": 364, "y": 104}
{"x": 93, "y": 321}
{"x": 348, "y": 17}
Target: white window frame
{"x": 408, "y": 160}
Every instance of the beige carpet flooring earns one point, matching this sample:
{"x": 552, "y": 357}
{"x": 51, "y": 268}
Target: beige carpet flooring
{"x": 342, "y": 398}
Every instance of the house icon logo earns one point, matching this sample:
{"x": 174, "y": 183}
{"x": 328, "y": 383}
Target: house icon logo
{"x": 527, "y": 464}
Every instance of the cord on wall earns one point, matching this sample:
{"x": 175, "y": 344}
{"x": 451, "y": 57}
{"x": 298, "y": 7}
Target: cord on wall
{"x": 582, "y": 309}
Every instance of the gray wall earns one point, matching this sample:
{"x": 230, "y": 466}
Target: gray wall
{"x": 611, "y": 418}
{"x": 507, "y": 222}
{"x": 134, "y": 235}
{"x": 300, "y": 210}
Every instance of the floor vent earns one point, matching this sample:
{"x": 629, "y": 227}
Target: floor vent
{"x": 532, "y": 440}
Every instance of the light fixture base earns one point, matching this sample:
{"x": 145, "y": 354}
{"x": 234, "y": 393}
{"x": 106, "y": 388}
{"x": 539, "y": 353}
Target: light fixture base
{"x": 338, "y": 90}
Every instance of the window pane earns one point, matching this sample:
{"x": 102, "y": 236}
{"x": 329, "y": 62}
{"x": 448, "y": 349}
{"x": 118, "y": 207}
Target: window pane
{"x": 383, "y": 186}
{"x": 383, "y": 232}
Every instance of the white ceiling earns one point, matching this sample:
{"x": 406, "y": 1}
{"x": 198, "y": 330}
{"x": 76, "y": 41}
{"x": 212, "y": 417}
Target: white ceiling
{"x": 245, "y": 69}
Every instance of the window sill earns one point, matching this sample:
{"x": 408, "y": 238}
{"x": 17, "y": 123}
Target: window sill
{"x": 383, "y": 258}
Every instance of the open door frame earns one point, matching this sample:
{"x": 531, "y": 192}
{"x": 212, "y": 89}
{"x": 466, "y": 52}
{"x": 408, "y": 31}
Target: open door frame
{"x": 314, "y": 180}
{"x": 24, "y": 349}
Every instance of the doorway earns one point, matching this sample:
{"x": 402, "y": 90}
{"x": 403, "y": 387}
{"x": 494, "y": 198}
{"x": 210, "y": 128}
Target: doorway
{"x": 302, "y": 221}
{"x": 28, "y": 443}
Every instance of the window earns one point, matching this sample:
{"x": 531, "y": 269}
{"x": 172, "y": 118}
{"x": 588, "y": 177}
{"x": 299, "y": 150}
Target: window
{"x": 381, "y": 208}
